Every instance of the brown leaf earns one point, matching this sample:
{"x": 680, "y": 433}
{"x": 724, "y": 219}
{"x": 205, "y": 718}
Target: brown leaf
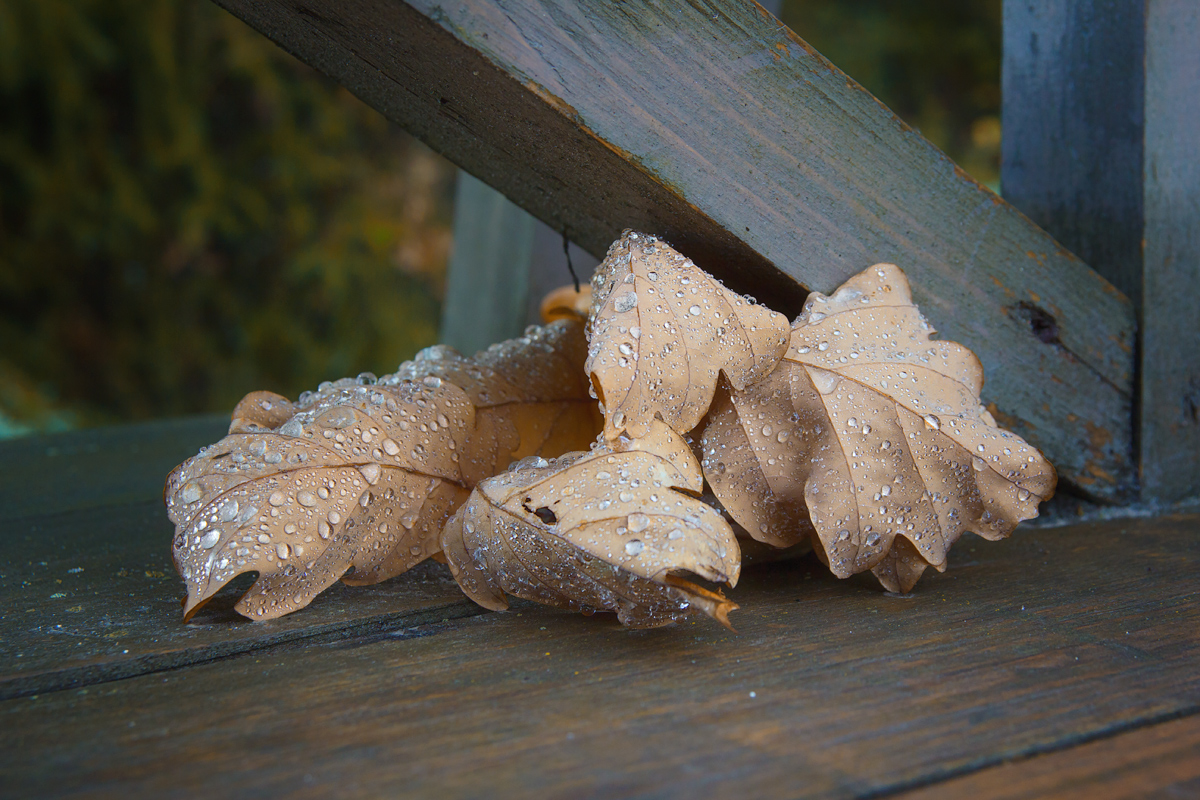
{"x": 661, "y": 331}
{"x": 606, "y": 530}
{"x": 566, "y": 303}
{"x": 364, "y": 474}
{"x": 875, "y": 433}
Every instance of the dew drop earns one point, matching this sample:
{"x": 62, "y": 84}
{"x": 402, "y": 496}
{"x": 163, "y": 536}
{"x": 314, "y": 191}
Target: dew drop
{"x": 1023, "y": 495}
{"x": 824, "y": 381}
{"x": 634, "y": 546}
{"x": 370, "y": 473}
{"x": 637, "y": 522}
{"x": 625, "y": 302}
{"x": 694, "y": 311}
{"x": 276, "y": 499}
{"x": 191, "y": 492}
{"x": 306, "y": 499}
{"x": 228, "y": 511}
{"x": 282, "y": 550}
{"x": 209, "y": 540}
{"x": 932, "y": 422}
{"x": 337, "y": 418}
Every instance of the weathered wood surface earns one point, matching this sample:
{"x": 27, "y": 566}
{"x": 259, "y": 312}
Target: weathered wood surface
{"x": 487, "y": 282}
{"x": 1157, "y": 761}
{"x": 1102, "y": 149}
{"x": 87, "y": 587}
{"x": 1073, "y": 80}
{"x": 714, "y": 126}
{"x": 1170, "y": 400}
{"x": 831, "y": 689}
{"x": 115, "y": 465}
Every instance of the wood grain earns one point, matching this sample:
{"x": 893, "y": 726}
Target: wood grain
{"x": 831, "y": 689}
{"x": 1157, "y": 761}
{"x": 1073, "y": 90}
{"x": 115, "y": 465}
{"x": 487, "y": 280}
{"x": 715, "y": 127}
{"x": 1169, "y": 434}
{"x": 1102, "y": 149}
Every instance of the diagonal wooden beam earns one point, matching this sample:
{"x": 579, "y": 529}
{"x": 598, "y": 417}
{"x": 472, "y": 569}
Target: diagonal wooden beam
{"x": 713, "y": 125}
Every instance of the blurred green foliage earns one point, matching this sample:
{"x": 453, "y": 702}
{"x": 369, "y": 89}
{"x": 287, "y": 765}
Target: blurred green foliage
{"x": 936, "y": 63}
{"x": 187, "y": 213}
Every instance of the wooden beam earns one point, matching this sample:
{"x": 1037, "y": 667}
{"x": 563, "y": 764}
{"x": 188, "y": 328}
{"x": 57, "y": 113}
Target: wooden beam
{"x": 487, "y": 283}
{"x": 1102, "y": 148}
{"x": 714, "y": 126}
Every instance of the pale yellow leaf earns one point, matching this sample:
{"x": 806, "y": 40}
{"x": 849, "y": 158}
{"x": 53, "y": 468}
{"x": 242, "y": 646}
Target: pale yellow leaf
{"x": 364, "y": 474}
{"x": 662, "y": 330}
{"x": 870, "y": 436}
{"x": 604, "y": 530}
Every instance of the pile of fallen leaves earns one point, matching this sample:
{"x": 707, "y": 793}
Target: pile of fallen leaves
{"x": 605, "y": 466}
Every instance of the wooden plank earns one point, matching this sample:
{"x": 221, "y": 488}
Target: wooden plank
{"x": 831, "y": 689}
{"x": 487, "y": 283}
{"x": 1071, "y": 156}
{"x": 1169, "y": 435}
{"x": 1102, "y": 148}
{"x": 548, "y": 270}
{"x": 97, "y": 467}
{"x": 1158, "y": 761}
{"x": 87, "y": 585}
{"x": 712, "y": 125}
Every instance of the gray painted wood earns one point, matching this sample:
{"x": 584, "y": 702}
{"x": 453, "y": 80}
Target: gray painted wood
{"x": 1170, "y": 407}
{"x": 1102, "y": 148}
{"x": 713, "y": 126}
{"x": 487, "y": 282}
{"x": 1071, "y": 156}
{"x": 108, "y": 466}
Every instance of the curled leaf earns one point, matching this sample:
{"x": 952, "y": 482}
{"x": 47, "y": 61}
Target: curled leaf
{"x": 363, "y": 474}
{"x": 870, "y": 437}
{"x": 567, "y": 303}
{"x": 605, "y": 530}
{"x": 661, "y": 331}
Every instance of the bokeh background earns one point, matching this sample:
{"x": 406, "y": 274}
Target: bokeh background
{"x": 188, "y": 213}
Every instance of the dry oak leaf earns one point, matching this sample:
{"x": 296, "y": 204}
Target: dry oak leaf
{"x": 870, "y": 437}
{"x": 364, "y": 473}
{"x": 611, "y": 529}
{"x": 662, "y": 329}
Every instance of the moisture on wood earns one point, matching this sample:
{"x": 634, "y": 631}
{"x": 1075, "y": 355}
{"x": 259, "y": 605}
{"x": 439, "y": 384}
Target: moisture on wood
{"x": 717, "y": 128}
